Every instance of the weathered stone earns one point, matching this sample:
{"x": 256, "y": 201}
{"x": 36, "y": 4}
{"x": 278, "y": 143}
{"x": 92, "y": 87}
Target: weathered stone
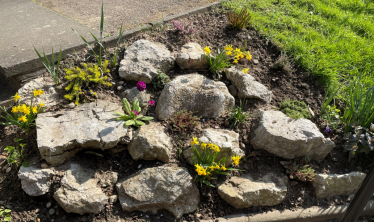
{"x": 289, "y": 138}
{"x": 132, "y": 94}
{"x": 151, "y": 143}
{"x": 244, "y": 192}
{"x": 233, "y": 90}
{"x": 329, "y": 185}
{"x": 193, "y": 92}
{"x": 144, "y": 59}
{"x": 79, "y": 192}
{"x": 247, "y": 86}
{"x": 228, "y": 142}
{"x": 192, "y": 57}
{"x": 159, "y": 188}
{"x": 62, "y": 134}
{"x": 35, "y": 181}
{"x": 49, "y": 97}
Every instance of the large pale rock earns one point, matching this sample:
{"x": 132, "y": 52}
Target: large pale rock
{"x": 49, "y": 97}
{"x": 329, "y": 185}
{"x": 247, "y": 86}
{"x": 132, "y": 94}
{"x": 35, "y": 181}
{"x": 289, "y": 138}
{"x": 227, "y": 140}
{"x": 150, "y": 142}
{"x": 159, "y": 188}
{"x": 62, "y": 134}
{"x": 192, "y": 57}
{"x": 196, "y": 93}
{"x": 244, "y": 192}
{"x": 79, "y": 192}
{"x": 144, "y": 59}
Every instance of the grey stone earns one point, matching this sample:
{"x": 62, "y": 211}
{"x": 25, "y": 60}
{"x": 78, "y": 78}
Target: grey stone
{"x": 121, "y": 82}
{"x": 329, "y": 185}
{"x": 62, "y": 134}
{"x": 51, "y": 211}
{"x": 233, "y": 90}
{"x": 227, "y": 140}
{"x": 289, "y": 138}
{"x": 132, "y": 94}
{"x": 193, "y": 92}
{"x": 247, "y": 86}
{"x": 79, "y": 192}
{"x": 192, "y": 57}
{"x": 35, "y": 181}
{"x": 49, "y": 97}
{"x": 71, "y": 105}
{"x": 119, "y": 88}
{"x": 48, "y": 205}
{"x": 159, "y": 188}
{"x": 244, "y": 192}
{"x": 143, "y": 60}
{"x": 44, "y": 166}
{"x": 151, "y": 143}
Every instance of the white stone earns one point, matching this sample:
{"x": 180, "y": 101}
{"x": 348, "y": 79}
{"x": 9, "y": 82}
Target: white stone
{"x": 192, "y": 57}
{"x": 49, "y": 97}
{"x": 35, "y": 181}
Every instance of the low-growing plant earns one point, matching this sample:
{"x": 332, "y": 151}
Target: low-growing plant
{"x": 237, "y": 115}
{"x": 50, "y": 66}
{"x": 204, "y": 159}
{"x": 17, "y": 154}
{"x": 223, "y": 59}
{"x": 23, "y": 115}
{"x": 160, "y": 80}
{"x": 239, "y": 19}
{"x": 79, "y": 78}
{"x": 5, "y": 214}
{"x": 360, "y": 140}
{"x": 184, "y": 121}
{"x": 332, "y": 117}
{"x": 295, "y": 109}
{"x": 299, "y": 169}
{"x": 283, "y": 63}
{"x": 185, "y": 30}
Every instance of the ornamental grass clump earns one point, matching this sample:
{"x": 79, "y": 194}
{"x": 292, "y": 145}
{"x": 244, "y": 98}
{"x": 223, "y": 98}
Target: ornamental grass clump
{"x": 23, "y": 115}
{"x": 239, "y": 19}
{"x": 85, "y": 77}
{"x": 205, "y": 161}
{"x": 225, "y": 58}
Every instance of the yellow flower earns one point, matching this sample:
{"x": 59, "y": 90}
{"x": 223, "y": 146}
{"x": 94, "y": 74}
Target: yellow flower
{"x": 23, "y": 118}
{"x": 228, "y": 48}
{"x": 237, "y": 51}
{"x": 207, "y": 50}
{"x": 211, "y": 168}
{"x": 41, "y": 104}
{"x": 245, "y": 70}
{"x": 223, "y": 168}
{"x": 40, "y": 91}
{"x": 217, "y": 167}
{"x": 236, "y": 159}
{"x": 26, "y": 110}
{"x": 36, "y": 92}
{"x": 195, "y": 141}
{"x": 203, "y": 145}
{"x": 216, "y": 149}
{"x": 17, "y": 97}
{"x": 14, "y": 109}
{"x": 211, "y": 146}
{"x": 235, "y": 61}
{"x": 248, "y": 55}
{"x": 228, "y": 53}
{"x": 35, "y": 109}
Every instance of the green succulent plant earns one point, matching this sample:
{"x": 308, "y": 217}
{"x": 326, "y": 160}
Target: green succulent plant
{"x": 133, "y": 116}
{"x": 295, "y": 109}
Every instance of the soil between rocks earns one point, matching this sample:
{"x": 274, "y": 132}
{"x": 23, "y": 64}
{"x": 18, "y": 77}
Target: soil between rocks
{"x": 213, "y": 31}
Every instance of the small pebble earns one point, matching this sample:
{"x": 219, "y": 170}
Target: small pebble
{"x": 71, "y": 105}
{"x": 113, "y": 83}
{"x": 139, "y": 166}
{"x": 8, "y": 170}
{"x": 48, "y": 205}
{"x": 255, "y": 61}
{"x": 44, "y": 165}
{"x": 299, "y": 199}
{"x": 119, "y": 88}
{"x": 51, "y": 211}
{"x": 103, "y": 185}
{"x": 9, "y": 206}
{"x": 242, "y": 145}
{"x": 37, "y": 219}
{"x": 113, "y": 198}
{"x": 121, "y": 82}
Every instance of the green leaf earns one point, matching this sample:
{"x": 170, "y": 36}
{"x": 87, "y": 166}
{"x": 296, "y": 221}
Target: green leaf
{"x": 126, "y": 106}
{"x": 129, "y": 122}
{"x": 93, "y": 153}
{"x": 25, "y": 164}
{"x": 146, "y": 118}
{"x": 140, "y": 123}
{"x": 136, "y": 106}
{"x": 7, "y": 211}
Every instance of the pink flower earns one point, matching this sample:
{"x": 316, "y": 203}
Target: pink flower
{"x": 151, "y": 102}
{"x": 136, "y": 113}
{"x": 141, "y": 86}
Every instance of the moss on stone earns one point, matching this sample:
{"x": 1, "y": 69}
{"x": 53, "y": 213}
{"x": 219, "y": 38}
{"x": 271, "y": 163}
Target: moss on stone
{"x": 295, "y": 109}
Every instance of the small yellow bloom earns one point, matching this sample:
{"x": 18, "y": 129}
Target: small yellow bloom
{"x": 207, "y": 50}
{"x": 228, "y": 48}
{"x": 211, "y": 146}
{"x": 211, "y": 168}
{"x": 35, "y": 109}
{"x": 26, "y": 110}
{"x": 216, "y": 149}
{"x": 203, "y": 145}
{"x": 17, "y": 97}
{"x": 195, "y": 141}
{"x": 236, "y": 159}
{"x": 248, "y": 55}
{"x": 36, "y": 92}
{"x": 245, "y": 70}
{"x": 40, "y": 91}
{"x": 23, "y": 118}
{"x": 41, "y": 104}
{"x": 14, "y": 109}
{"x": 223, "y": 168}
{"x": 235, "y": 61}
{"x": 228, "y": 53}
{"x": 217, "y": 167}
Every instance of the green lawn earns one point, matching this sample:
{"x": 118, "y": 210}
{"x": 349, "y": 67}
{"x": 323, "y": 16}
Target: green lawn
{"x": 333, "y": 39}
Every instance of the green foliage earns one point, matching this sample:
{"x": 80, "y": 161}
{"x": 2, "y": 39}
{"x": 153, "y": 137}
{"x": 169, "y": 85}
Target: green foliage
{"x": 295, "y": 109}
{"x": 360, "y": 140}
{"x": 132, "y": 117}
{"x": 331, "y": 92}
{"x": 283, "y": 63}
{"x": 332, "y": 116}
{"x": 50, "y": 66}
{"x": 300, "y": 170}
{"x": 79, "y": 78}
{"x": 239, "y": 19}
{"x": 184, "y": 121}
{"x": 5, "y": 214}
{"x": 160, "y": 80}
{"x": 16, "y": 154}
{"x": 237, "y": 115}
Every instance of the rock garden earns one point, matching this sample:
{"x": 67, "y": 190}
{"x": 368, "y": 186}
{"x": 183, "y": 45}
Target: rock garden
{"x": 195, "y": 119}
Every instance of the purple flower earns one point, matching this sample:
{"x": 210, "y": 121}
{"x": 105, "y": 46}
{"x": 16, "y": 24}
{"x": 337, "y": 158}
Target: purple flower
{"x": 151, "y": 102}
{"x": 141, "y": 86}
{"x": 327, "y": 130}
{"x": 136, "y": 113}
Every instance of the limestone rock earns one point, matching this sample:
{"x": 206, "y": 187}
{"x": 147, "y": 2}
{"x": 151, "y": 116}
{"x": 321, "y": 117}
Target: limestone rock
{"x": 49, "y": 97}
{"x": 192, "y": 57}
{"x": 193, "y": 92}
{"x": 143, "y": 59}
{"x": 150, "y": 142}
{"x": 247, "y": 86}
{"x": 132, "y": 94}
{"x": 329, "y": 185}
{"x": 159, "y": 188}
{"x": 62, "y": 134}
{"x": 244, "y": 192}
{"x": 227, "y": 140}
{"x": 289, "y": 138}
{"x": 35, "y": 181}
{"x": 79, "y": 192}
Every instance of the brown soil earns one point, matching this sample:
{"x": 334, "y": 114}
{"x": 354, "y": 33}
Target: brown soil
{"x": 214, "y": 31}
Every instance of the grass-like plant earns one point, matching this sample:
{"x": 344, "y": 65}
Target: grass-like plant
{"x": 332, "y": 117}
{"x": 204, "y": 160}
{"x": 22, "y": 115}
{"x": 17, "y": 154}
{"x": 160, "y": 80}
{"x": 359, "y": 140}
{"x": 237, "y": 115}
{"x": 299, "y": 169}
{"x": 295, "y": 109}
{"x": 79, "y": 78}
{"x": 239, "y": 19}
{"x": 50, "y": 65}
{"x": 184, "y": 121}
{"x": 133, "y": 116}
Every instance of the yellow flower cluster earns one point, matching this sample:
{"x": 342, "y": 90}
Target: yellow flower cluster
{"x": 207, "y": 50}
{"x": 38, "y": 92}
{"x": 201, "y": 171}
{"x": 237, "y": 53}
{"x": 211, "y": 146}
{"x": 23, "y": 110}
{"x": 236, "y": 159}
